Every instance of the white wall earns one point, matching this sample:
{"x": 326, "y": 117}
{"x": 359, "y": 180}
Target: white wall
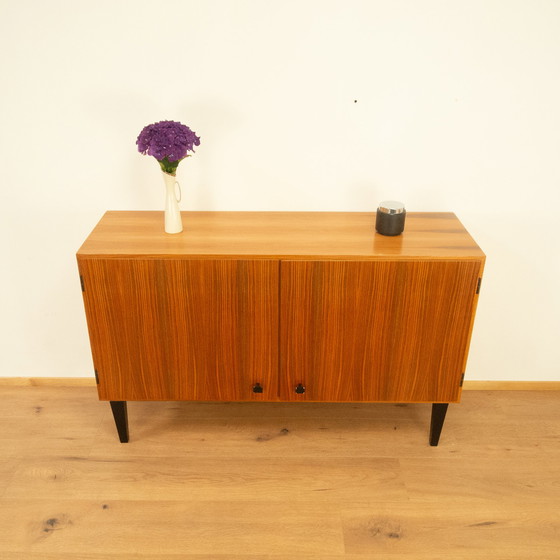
{"x": 301, "y": 105}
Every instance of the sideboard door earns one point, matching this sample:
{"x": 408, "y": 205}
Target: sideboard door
{"x": 180, "y": 329}
{"x": 393, "y": 331}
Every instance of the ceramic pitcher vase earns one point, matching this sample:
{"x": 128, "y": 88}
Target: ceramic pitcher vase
{"x": 173, "y": 222}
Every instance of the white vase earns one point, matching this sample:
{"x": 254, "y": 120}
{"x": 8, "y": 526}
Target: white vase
{"x": 173, "y": 222}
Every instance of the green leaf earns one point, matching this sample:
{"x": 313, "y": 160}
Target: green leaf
{"x": 168, "y": 166}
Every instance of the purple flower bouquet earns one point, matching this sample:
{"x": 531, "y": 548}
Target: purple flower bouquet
{"x": 168, "y": 142}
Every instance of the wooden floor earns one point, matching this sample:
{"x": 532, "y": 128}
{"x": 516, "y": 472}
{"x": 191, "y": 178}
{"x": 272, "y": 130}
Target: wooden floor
{"x": 276, "y": 481}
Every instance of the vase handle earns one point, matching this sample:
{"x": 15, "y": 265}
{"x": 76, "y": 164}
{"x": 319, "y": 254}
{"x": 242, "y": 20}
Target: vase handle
{"x": 177, "y": 184}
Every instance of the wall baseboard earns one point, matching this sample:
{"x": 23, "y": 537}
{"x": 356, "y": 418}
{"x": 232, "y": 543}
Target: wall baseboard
{"x": 467, "y": 386}
{"x": 511, "y": 385}
{"x": 48, "y": 381}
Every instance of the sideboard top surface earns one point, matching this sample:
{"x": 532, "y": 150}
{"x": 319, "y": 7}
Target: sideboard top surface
{"x": 287, "y": 235}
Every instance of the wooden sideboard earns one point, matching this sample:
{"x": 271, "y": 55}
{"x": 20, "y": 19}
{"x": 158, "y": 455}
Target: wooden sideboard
{"x": 280, "y": 306}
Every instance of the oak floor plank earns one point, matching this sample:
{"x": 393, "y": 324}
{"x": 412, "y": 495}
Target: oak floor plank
{"x": 39, "y": 402}
{"x": 39, "y": 421}
{"x": 481, "y": 530}
{"x": 417, "y": 555}
{"x": 267, "y": 437}
{"x": 168, "y": 527}
{"x": 259, "y": 481}
{"x": 7, "y": 469}
{"x": 187, "y": 410}
{"x": 280, "y": 480}
{"x": 187, "y": 556}
{"x": 490, "y": 480}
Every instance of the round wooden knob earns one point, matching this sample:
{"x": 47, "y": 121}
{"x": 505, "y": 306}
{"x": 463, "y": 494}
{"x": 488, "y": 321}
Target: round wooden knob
{"x": 300, "y": 389}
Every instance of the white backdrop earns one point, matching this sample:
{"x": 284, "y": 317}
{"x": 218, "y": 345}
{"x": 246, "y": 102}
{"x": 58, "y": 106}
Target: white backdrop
{"x": 446, "y": 105}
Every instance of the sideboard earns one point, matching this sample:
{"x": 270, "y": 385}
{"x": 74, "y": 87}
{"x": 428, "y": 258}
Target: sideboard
{"x": 279, "y": 306}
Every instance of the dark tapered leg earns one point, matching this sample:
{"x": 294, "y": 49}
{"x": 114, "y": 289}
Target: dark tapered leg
{"x": 438, "y": 416}
{"x": 121, "y": 419}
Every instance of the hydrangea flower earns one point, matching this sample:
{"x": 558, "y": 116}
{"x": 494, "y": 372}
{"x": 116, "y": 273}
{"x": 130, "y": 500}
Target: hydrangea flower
{"x": 168, "y": 142}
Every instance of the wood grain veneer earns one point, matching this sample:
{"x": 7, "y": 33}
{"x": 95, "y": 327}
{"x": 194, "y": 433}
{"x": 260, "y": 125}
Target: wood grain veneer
{"x": 375, "y": 331}
{"x": 308, "y": 235}
{"x": 280, "y": 299}
{"x": 468, "y": 385}
{"x": 182, "y": 329}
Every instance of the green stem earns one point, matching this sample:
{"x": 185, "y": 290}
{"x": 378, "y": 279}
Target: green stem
{"x": 169, "y": 166}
